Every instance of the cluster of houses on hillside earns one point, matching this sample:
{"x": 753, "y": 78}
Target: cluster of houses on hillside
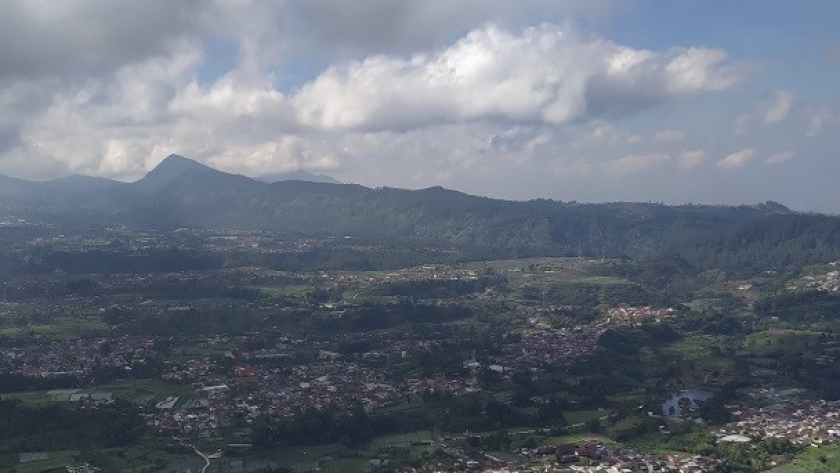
{"x": 76, "y": 357}
{"x": 633, "y": 315}
{"x": 256, "y": 391}
{"x": 592, "y": 456}
{"x": 544, "y": 347}
{"x": 803, "y": 422}
{"x": 829, "y": 281}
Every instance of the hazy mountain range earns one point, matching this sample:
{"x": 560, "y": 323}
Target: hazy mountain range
{"x": 184, "y": 193}
{"x": 299, "y": 175}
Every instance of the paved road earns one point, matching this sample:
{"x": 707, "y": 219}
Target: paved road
{"x": 205, "y": 457}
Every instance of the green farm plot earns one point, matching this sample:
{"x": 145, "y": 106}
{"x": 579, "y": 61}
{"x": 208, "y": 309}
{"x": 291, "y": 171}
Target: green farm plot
{"x": 402, "y": 408}
{"x": 140, "y": 458}
{"x": 696, "y": 346}
{"x": 31, "y": 398}
{"x": 704, "y": 352}
{"x": 42, "y": 398}
{"x": 396, "y": 440}
{"x": 548, "y": 270}
{"x": 309, "y": 458}
{"x": 54, "y": 461}
{"x": 348, "y": 465}
{"x": 287, "y": 293}
{"x": 580, "y": 417}
{"x": 770, "y": 341}
{"x": 627, "y": 399}
{"x": 578, "y": 439}
{"x": 152, "y": 386}
{"x": 147, "y": 392}
{"x": 825, "y": 459}
{"x": 63, "y": 327}
{"x": 666, "y": 444}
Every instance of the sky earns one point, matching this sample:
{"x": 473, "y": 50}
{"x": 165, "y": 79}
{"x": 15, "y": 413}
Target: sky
{"x": 679, "y": 101}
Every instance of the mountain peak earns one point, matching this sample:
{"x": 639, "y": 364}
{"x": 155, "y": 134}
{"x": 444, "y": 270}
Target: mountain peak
{"x": 174, "y": 165}
{"x": 171, "y": 168}
{"x": 177, "y": 163}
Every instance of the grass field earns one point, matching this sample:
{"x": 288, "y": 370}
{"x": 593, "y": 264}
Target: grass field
{"x": 770, "y": 341}
{"x": 579, "y": 417}
{"x": 56, "y": 461}
{"x": 157, "y": 387}
{"x": 309, "y": 458}
{"x": 132, "y": 459}
{"x": 813, "y": 460}
{"x": 31, "y": 398}
{"x": 63, "y": 327}
{"x": 399, "y": 440}
{"x": 128, "y": 390}
{"x": 577, "y": 439}
{"x": 547, "y": 270}
{"x": 703, "y": 352}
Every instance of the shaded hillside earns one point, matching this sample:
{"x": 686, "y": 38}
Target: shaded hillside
{"x": 183, "y": 193}
{"x": 208, "y": 198}
{"x": 774, "y": 242}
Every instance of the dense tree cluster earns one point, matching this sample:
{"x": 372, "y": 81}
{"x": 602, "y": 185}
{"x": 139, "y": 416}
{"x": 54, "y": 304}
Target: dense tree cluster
{"x": 53, "y": 427}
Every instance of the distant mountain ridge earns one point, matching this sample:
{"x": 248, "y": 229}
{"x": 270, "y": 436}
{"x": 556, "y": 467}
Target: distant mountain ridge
{"x": 298, "y": 175}
{"x": 180, "y": 192}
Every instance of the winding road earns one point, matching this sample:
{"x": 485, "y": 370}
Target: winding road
{"x": 205, "y": 457}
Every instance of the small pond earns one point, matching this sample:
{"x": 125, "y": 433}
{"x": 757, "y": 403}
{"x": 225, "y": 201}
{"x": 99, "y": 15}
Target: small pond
{"x": 685, "y": 400}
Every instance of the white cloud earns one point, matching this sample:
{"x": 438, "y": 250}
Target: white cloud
{"x": 411, "y": 94}
{"x": 111, "y": 126}
{"x": 634, "y": 163}
{"x": 737, "y": 159}
{"x": 124, "y": 124}
{"x": 669, "y": 136}
{"x": 781, "y": 157}
{"x": 234, "y": 101}
{"x": 779, "y": 107}
{"x": 42, "y": 38}
{"x": 572, "y": 168}
{"x": 280, "y": 33}
{"x": 696, "y": 69}
{"x": 691, "y": 159}
{"x": 505, "y": 87}
{"x": 285, "y": 154}
{"x": 601, "y": 133}
{"x": 820, "y": 116}
{"x": 545, "y": 74}
{"x": 768, "y": 111}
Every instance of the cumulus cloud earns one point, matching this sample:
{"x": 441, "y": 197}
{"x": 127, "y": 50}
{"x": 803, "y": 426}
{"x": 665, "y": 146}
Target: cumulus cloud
{"x": 382, "y": 92}
{"x": 287, "y": 153}
{"x": 128, "y": 111}
{"x": 359, "y": 28}
{"x": 42, "y": 38}
{"x": 737, "y": 159}
{"x": 546, "y": 74}
{"x": 633, "y": 163}
{"x": 691, "y": 159}
{"x": 123, "y": 125}
{"x": 247, "y": 104}
{"x": 110, "y": 126}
